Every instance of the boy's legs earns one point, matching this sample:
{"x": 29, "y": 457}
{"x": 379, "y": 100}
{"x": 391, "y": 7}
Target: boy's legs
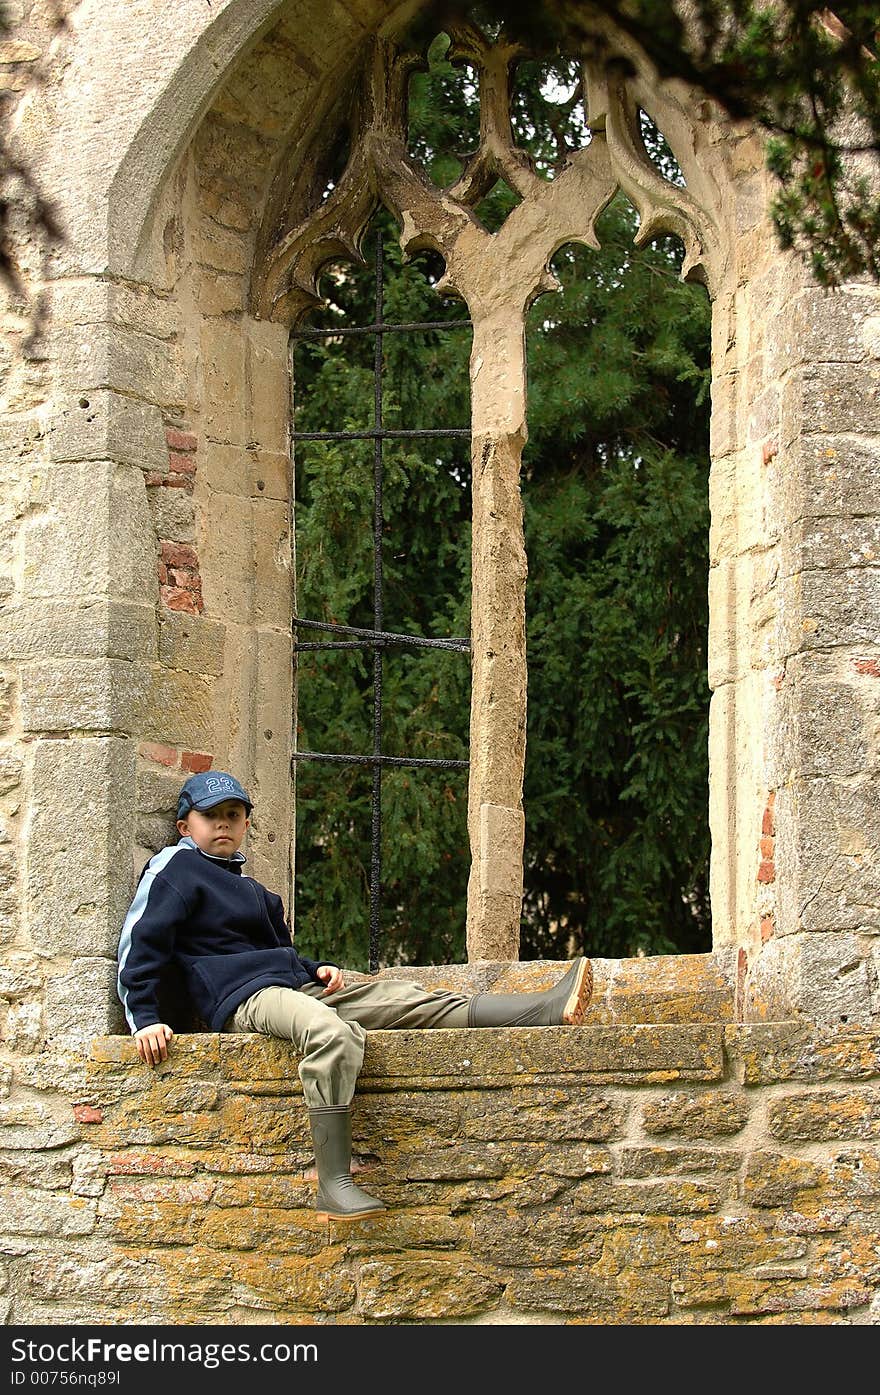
{"x": 331, "y": 1048}
{"x": 383, "y": 1004}
{"x": 331, "y": 1053}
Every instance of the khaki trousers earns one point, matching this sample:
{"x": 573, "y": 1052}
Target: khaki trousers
{"x": 330, "y": 1033}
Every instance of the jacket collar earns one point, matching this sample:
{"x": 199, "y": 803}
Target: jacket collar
{"x": 233, "y": 863}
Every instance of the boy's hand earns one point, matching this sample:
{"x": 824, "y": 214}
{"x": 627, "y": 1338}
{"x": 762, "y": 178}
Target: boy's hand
{"x": 152, "y": 1042}
{"x": 331, "y": 977}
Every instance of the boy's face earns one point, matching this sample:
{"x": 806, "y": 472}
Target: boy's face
{"x": 218, "y": 831}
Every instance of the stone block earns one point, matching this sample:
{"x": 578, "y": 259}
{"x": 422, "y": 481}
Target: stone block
{"x": 178, "y": 710}
{"x": 823, "y": 609}
{"x": 269, "y": 474}
{"x": 799, "y": 1050}
{"x": 11, "y": 768}
{"x": 730, "y": 611}
{"x": 90, "y": 533}
{"x": 84, "y": 1002}
{"x": 81, "y": 831}
{"x": 173, "y": 514}
{"x": 824, "y": 543}
{"x": 227, "y": 558}
{"x": 710, "y": 1115}
{"x": 270, "y": 739}
{"x": 825, "y": 1115}
{"x": 424, "y": 1289}
{"x": 649, "y": 1162}
{"x": 831, "y": 476}
{"x": 272, "y": 563}
{"x": 92, "y": 301}
{"x": 33, "y": 1127}
{"x": 502, "y": 832}
{"x": 218, "y": 292}
{"x": 775, "y": 1180}
{"x": 106, "y": 425}
{"x": 223, "y": 367}
{"x": 221, "y": 249}
{"x": 122, "y": 360}
{"x": 826, "y": 976}
{"x": 33, "y": 1211}
{"x": 94, "y": 629}
{"x": 227, "y": 469}
{"x": 192, "y": 643}
{"x": 822, "y": 727}
{"x": 83, "y": 694}
{"x": 828, "y": 831}
{"x": 819, "y": 326}
{"x": 157, "y": 791}
{"x": 828, "y": 397}
{"x": 268, "y": 371}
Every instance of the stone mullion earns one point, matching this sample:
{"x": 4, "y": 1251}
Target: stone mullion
{"x": 498, "y": 650}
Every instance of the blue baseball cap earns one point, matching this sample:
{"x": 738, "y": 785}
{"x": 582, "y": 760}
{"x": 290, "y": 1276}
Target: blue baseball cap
{"x": 203, "y": 791}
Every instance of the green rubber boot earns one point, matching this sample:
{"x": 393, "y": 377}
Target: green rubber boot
{"x": 563, "y": 1005}
{"x": 339, "y": 1198}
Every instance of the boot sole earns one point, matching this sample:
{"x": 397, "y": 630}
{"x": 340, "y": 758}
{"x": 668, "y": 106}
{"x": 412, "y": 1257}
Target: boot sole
{"x": 351, "y": 1216}
{"x": 578, "y": 1001}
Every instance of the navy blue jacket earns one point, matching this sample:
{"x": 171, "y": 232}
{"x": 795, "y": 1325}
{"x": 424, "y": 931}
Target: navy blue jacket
{"x": 224, "y": 931}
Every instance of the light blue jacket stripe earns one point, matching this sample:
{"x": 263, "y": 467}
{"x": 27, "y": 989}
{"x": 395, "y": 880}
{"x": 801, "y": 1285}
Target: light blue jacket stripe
{"x": 136, "y": 910}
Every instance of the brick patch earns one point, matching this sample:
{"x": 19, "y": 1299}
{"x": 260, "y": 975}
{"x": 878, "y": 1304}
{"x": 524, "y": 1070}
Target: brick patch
{"x": 191, "y": 761}
{"x": 88, "y": 1114}
{"x": 767, "y": 867}
{"x": 195, "y": 761}
{"x": 180, "y": 585}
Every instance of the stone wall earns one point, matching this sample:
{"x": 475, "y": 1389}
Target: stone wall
{"x": 145, "y": 605}
{"x": 686, "y": 1170}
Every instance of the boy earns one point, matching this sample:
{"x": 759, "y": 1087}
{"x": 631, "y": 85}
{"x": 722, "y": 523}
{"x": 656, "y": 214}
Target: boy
{"x": 194, "y": 908}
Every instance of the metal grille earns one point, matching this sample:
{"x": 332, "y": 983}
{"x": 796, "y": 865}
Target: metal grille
{"x": 376, "y": 639}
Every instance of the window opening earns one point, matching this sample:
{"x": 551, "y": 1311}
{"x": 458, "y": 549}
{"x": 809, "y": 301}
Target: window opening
{"x": 615, "y": 497}
{"x": 376, "y": 640}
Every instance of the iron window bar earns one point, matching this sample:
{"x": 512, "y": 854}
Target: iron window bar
{"x": 376, "y": 639}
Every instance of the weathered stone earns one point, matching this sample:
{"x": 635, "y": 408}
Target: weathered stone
{"x": 89, "y": 533}
{"x": 83, "y": 1003}
{"x": 423, "y": 1289}
{"x": 192, "y": 643}
{"x": 95, "y": 629}
{"x": 648, "y": 1162}
{"x": 207, "y": 157}
{"x": 703, "y": 1116}
{"x": 831, "y": 476}
{"x": 310, "y": 1286}
{"x": 106, "y": 425}
{"x": 830, "y": 828}
{"x": 820, "y": 327}
{"x": 32, "y": 1211}
{"x": 124, "y": 361}
{"x": 775, "y": 1181}
{"x": 825, "y": 1115}
{"x": 178, "y": 710}
{"x": 798, "y": 1051}
{"x": 75, "y": 903}
{"x": 830, "y": 607}
{"x": 832, "y": 397}
{"x": 173, "y": 514}
{"x": 95, "y": 695}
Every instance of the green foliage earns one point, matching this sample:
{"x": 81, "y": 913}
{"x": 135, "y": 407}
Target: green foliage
{"x": 616, "y": 507}
{"x": 806, "y": 73}
{"x": 616, "y": 516}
